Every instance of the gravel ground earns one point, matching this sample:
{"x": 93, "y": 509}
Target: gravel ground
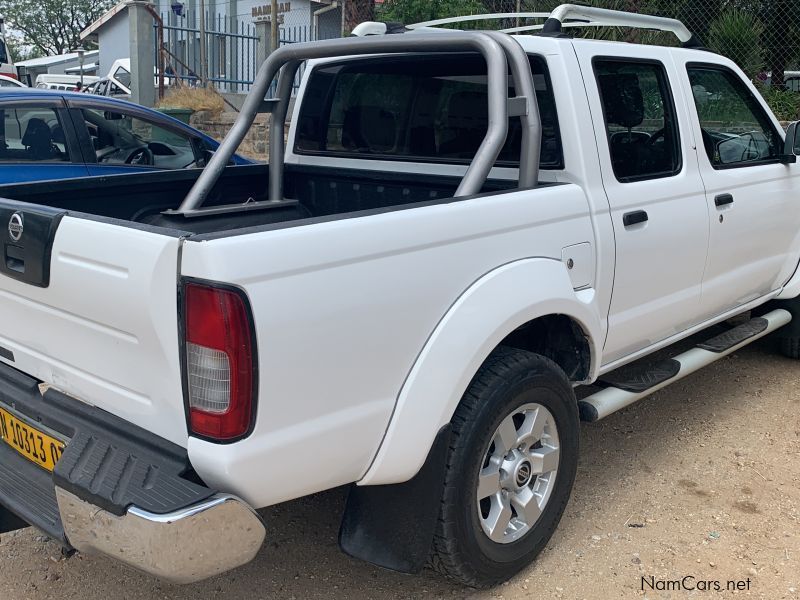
{"x": 700, "y": 480}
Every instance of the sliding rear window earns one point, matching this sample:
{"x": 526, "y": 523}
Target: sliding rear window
{"x": 414, "y": 108}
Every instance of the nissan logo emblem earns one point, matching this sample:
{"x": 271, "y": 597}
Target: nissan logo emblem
{"x": 15, "y": 226}
{"x": 524, "y": 473}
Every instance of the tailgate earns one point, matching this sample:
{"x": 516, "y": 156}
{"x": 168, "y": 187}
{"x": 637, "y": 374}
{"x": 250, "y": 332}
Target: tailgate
{"x": 89, "y": 306}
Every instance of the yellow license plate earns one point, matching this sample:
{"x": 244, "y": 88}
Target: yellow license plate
{"x": 33, "y": 444}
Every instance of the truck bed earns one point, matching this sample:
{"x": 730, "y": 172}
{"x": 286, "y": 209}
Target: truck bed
{"x": 311, "y": 192}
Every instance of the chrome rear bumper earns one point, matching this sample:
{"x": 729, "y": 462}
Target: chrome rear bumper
{"x": 119, "y": 490}
{"x": 199, "y": 541}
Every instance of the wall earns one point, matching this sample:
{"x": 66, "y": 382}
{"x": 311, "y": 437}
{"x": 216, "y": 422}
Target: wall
{"x": 114, "y": 42}
{"x": 330, "y": 23}
{"x": 56, "y": 69}
{"x": 299, "y": 12}
{"x": 255, "y": 143}
{"x": 60, "y": 68}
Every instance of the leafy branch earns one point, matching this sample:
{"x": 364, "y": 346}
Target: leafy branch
{"x": 51, "y": 26}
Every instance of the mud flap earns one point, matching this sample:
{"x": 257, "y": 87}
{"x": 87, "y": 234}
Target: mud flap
{"x": 9, "y": 521}
{"x": 392, "y": 526}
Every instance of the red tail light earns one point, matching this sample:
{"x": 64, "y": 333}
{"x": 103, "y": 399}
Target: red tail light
{"x": 219, "y": 362}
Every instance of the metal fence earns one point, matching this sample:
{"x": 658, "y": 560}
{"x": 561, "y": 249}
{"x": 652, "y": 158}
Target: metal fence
{"x": 762, "y": 36}
{"x": 234, "y": 45}
{"x": 292, "y": 35}
{"x": 231, "y": 49}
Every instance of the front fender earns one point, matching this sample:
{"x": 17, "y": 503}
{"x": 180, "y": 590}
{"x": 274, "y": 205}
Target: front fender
{"x": 494, "y": 306}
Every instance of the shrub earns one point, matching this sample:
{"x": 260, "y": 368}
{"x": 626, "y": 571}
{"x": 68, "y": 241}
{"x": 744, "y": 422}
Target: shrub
{"x": 415, "y": 11}
{"x": 193, "y": 98}
{"x": 784, "y": 103}
{"x": 736, "y": 34}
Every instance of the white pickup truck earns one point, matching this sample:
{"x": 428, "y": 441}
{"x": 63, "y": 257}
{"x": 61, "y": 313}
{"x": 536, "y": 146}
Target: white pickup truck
{"x": 463, "y": 229}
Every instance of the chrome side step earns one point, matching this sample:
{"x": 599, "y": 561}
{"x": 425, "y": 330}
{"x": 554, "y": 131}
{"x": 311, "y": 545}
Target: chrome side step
{"x": 613, "y": 398}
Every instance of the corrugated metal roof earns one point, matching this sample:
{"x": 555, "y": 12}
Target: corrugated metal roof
{"x": 47, "y": 61}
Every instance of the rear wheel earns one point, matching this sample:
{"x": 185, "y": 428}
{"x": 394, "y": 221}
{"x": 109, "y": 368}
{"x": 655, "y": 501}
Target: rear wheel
{"x": 790, "y": 346}
{"x": 512, "y": 462}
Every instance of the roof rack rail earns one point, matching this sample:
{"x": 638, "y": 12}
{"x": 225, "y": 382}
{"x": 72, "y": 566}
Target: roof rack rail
{"x": 482, "y": 17}
{"x": 573, "y": 15}
{"x": 617, "y": 18}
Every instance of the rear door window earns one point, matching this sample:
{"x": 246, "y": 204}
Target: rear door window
{"x": 32, "y": 134}
{"x": 423, "y": 110}
{"x": 639, "y": 116}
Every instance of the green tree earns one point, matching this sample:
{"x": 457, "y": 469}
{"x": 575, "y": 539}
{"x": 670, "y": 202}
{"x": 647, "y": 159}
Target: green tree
{"x": 20, "y": 50}
{"x": 736, "y": 34}
{"x": 52, "y": 26}
{"x": 357, "y": 11}
{"x": 781, "y": 37}
{"x": 416, "y": 11}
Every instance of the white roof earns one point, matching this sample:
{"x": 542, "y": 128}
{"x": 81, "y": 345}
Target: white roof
{"x": 93, "y": 66}
{"x": 46, "y": 61}
{"x": 104, "y": 18}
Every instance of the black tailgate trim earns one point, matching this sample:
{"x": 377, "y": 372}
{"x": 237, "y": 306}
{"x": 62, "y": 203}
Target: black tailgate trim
{"x": 27, "y": 491}
{"x": 107, "y": 461}
{"x": 27, "y": 233}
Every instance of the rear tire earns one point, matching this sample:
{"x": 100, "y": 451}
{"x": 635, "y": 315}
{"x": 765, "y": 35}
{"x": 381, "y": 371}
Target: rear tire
{"x": 790, "y": 347}
{"x": 515, "y": 444}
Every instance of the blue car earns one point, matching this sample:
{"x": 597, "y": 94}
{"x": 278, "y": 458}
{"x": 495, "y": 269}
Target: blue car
{"x": 60, "y": 135}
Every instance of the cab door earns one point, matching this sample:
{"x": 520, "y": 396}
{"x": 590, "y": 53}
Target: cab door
{"x": 651, "y": 177}
{"x": 752, "y": 197}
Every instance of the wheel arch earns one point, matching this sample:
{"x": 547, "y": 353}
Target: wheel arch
{"x": 513, "y": 304}
{"x": 559, "y": 337}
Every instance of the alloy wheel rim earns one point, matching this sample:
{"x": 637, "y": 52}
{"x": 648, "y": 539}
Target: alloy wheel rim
{"x": 518, "y": 473}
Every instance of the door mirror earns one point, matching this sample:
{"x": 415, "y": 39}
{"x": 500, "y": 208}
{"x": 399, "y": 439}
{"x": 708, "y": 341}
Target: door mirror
{"x": 208, "y": 154}
{"x": 112, "y": 116}
{"x": 792, "y": 144}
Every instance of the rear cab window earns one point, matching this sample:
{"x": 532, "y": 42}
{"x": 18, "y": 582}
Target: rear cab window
{"x": 408, "y": 109}
{"x": 123, "y": 76}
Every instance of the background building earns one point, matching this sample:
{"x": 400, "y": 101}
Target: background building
{"x": 234, "y": 31}
{"x": 61, "y": 64}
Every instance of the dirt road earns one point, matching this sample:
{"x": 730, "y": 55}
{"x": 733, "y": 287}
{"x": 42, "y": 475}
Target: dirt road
{"x": 701, "y": 482}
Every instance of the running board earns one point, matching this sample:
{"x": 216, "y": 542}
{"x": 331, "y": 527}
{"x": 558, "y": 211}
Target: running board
{"x": 613, "y": 398}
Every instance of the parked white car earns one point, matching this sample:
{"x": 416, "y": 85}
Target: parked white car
{"x": 791, "y": 80}
{"x": 6, "y": 60}
{"x": 6, "y": 82}
{"x": 403, "y": 301}
{"x": 116, "y": 83}
{"x": 64, "y": 83}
